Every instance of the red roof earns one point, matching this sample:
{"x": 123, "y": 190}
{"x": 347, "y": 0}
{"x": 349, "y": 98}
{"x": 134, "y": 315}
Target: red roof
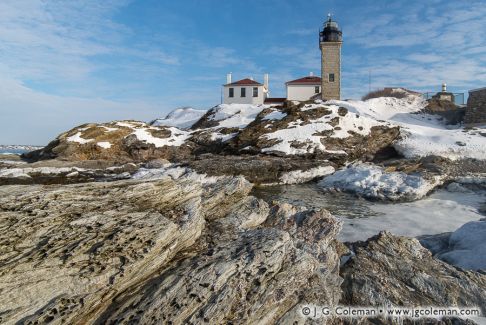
{"x": 274, "y": 100}
{"x": 244, "y": 82}
{"x": 309, "y": 80}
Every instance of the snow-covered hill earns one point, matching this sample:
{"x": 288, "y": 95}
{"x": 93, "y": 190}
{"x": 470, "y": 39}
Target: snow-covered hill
{"x": 340, "y": 131}
{"x": 182, "y": 118}
{"x": 421, "y": 134}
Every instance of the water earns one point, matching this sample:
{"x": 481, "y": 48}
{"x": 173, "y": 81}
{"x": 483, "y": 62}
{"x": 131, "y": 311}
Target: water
{"x": 311, "y": 196}
{"x": 442, "y": 211}
{"x": 13, "y": 151}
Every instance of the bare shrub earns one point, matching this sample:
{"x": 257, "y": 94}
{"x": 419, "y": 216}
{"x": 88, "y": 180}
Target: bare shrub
{"x": 386, "y": 92}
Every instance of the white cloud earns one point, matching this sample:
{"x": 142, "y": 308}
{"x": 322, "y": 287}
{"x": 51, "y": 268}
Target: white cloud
{"x": 30, "y": 117}
{"x": 419, "y": 47}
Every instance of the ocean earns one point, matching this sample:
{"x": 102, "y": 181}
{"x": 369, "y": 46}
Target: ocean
{"x": 12, "y": 151}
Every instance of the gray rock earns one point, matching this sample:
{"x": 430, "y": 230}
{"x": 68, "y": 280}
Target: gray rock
{"x": 398, "y": 271}
{"x": 186, "y": 250}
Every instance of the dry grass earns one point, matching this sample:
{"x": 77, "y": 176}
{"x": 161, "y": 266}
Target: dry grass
{"x": 386, "y": 92}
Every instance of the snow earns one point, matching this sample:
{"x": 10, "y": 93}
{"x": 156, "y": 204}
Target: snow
{"x": 12, "y": 162}
{"x": 160, "y": 173}
{"x": 176, "y": 139}
{"x": 25, "y": 172}
{"x": 275, "y": 115}
{"x": 104, "y": 144}
{"x": 173, "y": 172}
{"x": 236, "y": 115}
{"x": 223, "y": 137}
{"x": 13, "y": 172}
{"x": 467, "y": 246}
{"x": 374, "y": 182}
{"x": 182, "y": 118}
{"x": 304, "y": 134}
{"x": 108, "y": 129}
{"x": 130, "y": 124}
{"x": 77, "y": 138}
{"x": 300, "y": 176}
{"x": 440, "y": 212}
{"x": 422, "y": 134}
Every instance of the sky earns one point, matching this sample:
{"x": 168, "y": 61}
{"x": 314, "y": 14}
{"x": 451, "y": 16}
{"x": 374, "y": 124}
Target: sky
{"x": 68, "y": 62}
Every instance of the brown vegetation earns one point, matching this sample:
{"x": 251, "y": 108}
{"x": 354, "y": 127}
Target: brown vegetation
{"x": 385, "y": 92}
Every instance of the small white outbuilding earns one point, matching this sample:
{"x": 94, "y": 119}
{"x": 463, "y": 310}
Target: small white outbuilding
{"x": 303, "y": 89}
{"x": 245, "y": 91}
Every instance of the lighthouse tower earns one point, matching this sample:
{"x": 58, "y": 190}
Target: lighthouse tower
{"x": 330, "y": 41}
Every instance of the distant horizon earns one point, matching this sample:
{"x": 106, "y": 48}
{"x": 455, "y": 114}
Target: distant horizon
{"x": 66, "y": 63}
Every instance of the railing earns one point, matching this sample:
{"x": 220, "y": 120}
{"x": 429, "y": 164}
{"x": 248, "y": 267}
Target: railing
{"x": 458, "y": 97}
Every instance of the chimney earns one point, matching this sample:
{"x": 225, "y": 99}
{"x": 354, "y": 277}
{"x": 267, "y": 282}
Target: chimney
{"x": 444, "y": 87}
{"x": 311, "y": 74}
{"x": 228, "y": 78}
{"x": 251, "y": 78}
{"x": 265, "y": 80}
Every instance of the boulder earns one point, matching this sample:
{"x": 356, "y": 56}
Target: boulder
{"x": 389, "y": 270}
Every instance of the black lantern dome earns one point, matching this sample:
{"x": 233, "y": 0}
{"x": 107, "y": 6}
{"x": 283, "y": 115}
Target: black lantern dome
{"x": 331, "y": 32}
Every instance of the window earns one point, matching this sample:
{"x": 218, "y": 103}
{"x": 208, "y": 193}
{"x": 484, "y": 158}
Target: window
{"x": 243, "y": 92}
{"x": 317, "y": 89}
{"x": 231, "y": 92}
{"x": 255, "y": 91}
{"x": 331, "y": 77}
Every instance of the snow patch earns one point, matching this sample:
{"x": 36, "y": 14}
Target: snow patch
{"x": 173, "y": 172}
{"x": 373, "y": 182}
{"x": 467, "y": 246}
{"x": 130, "y": 124}
{"x": 300, "y": 176}
{"x": 108, "y": 129}
{"x": 223, "y": 137}
{"x": 235, "y": 115}
{"x": 104, "y": 144}
{"x": 177, "y": 137}
{"x": 440, "y": 212}
{"x": 182, "y": 118}
{"x": 26, "y": 172}
{"x": 421, "y": 134}
{"x": 301, "y": 138}
{"x": 275, "y": 115}
{"x": 77, "y": 138}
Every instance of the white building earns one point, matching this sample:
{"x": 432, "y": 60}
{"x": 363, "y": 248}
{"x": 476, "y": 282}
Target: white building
{"x": 303, "y": 89}
{"x": 245, "y": 91}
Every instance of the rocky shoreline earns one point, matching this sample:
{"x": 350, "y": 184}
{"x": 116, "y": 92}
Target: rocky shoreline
{"x": 193, "y": 249}
{"x": 135, "y": 223}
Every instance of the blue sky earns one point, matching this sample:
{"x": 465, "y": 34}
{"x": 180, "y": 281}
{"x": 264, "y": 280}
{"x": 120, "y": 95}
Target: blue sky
{"x": 63, "y": 63}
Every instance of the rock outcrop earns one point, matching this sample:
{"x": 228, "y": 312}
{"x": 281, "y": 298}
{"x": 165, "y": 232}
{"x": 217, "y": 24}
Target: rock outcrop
{"x": 120, "y": 142}
{"x": 182, "y": 248}
{"x": 309, "y": 130}
{"x": 260, "y": 169}
{"x": 389, "y": 270}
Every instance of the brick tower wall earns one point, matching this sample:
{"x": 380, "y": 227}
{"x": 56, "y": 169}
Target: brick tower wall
{"x": 331, "y": 63}
{"x": 476, "y": 107}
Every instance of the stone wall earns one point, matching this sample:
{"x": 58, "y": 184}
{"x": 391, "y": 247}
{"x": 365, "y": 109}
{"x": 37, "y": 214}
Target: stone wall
{"x": 476, "y": 107}
{"x": 331, "y": 63}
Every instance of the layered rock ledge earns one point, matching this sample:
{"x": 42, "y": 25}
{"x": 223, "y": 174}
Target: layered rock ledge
{"x": 188, "y": 249}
